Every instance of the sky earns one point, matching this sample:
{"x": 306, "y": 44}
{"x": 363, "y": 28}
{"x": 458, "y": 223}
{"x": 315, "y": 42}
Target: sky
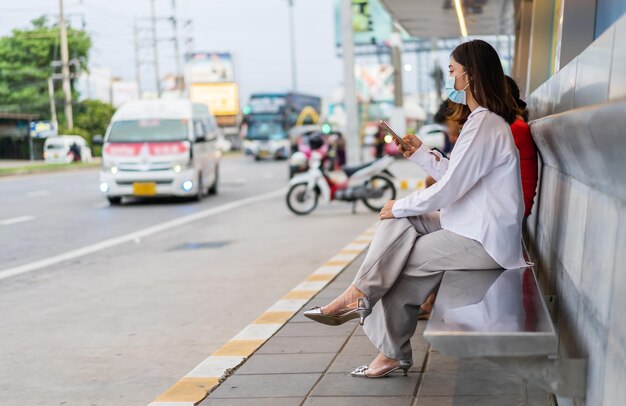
{"x": 256, "y": 32}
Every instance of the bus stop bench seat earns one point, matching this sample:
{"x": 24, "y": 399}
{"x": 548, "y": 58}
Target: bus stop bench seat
{"x": 501, "y": 315}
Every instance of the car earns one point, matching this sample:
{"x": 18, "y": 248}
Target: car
{"x": 57, "y": 149}
{"x": 433, "y": 135}
{"x": 160, "y": 148}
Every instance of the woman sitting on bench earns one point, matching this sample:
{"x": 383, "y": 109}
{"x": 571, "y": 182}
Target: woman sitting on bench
{"x": 479, "y": 193}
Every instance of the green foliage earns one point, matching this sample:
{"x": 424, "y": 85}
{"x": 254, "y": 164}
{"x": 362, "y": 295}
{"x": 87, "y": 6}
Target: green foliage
{"x": 91, "y": 117}
{"x": 25, "y": 65}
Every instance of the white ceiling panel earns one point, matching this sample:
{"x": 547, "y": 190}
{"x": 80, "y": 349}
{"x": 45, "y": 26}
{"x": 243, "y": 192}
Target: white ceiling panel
{"x": 437, "y": 18}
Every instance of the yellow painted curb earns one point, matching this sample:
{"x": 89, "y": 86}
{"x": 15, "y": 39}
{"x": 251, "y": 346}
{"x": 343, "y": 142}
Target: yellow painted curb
{"x": 241, "y": 348}
{"x": 188, "y": 390}
{"x": 300, "y": 294}
{"x": 337, "y": 263}
{"x": 195, "y": 386}
{"x": 273, "y": 318}
{"x": 321, "y": 277}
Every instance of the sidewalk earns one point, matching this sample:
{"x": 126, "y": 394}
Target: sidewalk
{"x": 306, "y": 363}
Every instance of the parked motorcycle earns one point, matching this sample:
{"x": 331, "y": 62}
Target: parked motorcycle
{"x": 371, "y": 183}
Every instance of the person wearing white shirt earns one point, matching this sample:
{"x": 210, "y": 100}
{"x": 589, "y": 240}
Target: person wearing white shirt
{"x": 470, "y": 219}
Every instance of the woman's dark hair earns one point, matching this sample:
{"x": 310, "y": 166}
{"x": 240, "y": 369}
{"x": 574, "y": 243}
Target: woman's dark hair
{"x": 442, "y": 114}
{"x": 486, "y": 81}
{"x": 521, "y": 104}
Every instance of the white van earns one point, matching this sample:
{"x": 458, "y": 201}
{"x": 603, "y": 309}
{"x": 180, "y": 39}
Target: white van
{"x": 56, "y": 150}
{"x": 160, "y": 148}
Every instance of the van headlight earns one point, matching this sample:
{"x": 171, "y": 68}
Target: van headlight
{"x": 187, "y": 185}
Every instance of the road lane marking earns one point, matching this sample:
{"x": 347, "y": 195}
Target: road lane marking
{"x": 38, "y": 193}
{"x": 16, "y": 220}
{"x": 219, "y": 365}
{"x": 137, "y": 235}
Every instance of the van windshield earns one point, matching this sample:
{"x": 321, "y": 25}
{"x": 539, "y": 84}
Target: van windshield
{"x": 148, "y": 130}
{"x": 55, "y": 146}
{"x": 266, "y": 130}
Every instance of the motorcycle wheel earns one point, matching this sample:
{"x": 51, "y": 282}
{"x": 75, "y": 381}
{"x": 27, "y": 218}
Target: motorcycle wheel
{"x": 388, "y": 189}
{"x": 300, "y": 201}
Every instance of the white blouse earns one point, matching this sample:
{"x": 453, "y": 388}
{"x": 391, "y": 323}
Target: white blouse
{"x": 479, "y": 189}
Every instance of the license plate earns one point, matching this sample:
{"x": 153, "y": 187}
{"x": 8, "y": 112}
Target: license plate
{"x": 263, "y": 154}
{"x": 144, "y": 189}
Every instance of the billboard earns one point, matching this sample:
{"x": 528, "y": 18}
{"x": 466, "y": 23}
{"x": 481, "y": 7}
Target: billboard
{"x": 374, "y": 83}
{"x": 43, "y": 129}
{"x": 221, "y": 98}
{"x": 209, "y": 67}
{"x": 371, "y": 23}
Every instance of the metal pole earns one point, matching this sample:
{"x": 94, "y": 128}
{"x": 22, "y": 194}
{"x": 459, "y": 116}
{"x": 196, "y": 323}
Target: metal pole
{"x": 67, "y": 90}
{"x": 294, "y": 76}
{"x": 179, "y": 73}
{"x": 349, "y": 84}
{"x": 137, "y": 61}
{"x": 397, "y": 117}
{"x": 396, "y": 63}
{"x": 53, "y": 108}
{"x": 155, "y": 47}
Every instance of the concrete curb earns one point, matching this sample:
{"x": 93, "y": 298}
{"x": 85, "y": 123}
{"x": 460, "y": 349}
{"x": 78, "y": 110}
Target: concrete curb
{"x": 206, "y": 376}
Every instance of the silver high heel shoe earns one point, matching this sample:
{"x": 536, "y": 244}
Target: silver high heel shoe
{"x": 403, "y": 365}
{"x": 362, "y": 310}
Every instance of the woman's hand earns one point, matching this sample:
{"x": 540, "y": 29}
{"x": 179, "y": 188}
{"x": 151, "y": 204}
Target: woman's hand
{"x": 413, "y": 142}
{"x": 386, "y": 212}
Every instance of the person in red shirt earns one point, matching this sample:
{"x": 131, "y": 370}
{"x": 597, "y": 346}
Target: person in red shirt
{"x": 527, "y": 149}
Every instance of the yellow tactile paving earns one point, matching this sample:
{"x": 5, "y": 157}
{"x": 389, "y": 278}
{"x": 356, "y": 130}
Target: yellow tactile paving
{"x": 361, "y": 241}
{"x": 300, "y": 294}
{"x": 273, "y": 318}
{"x": 188, "y": 390}
{"x": 241, "y": 348}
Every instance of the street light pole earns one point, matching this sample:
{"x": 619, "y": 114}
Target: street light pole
{"x": 65, "y": 69}
{"x": 137, "y": 61}
{"x": 353, "y": 141}
{"x": 294, "y": 77}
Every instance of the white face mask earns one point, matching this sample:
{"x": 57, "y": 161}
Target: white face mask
{"x": 456, "y": 96}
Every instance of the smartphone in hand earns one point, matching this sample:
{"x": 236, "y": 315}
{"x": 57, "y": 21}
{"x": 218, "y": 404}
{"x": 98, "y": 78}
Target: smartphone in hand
{"x": 404, "y": 145}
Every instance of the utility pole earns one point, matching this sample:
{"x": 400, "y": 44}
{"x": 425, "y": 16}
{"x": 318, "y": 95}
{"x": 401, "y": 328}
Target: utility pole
{"x": 174, "y": 19}
{"x": 137, "y": 61}
{"x": 353, "y": 142}
{"x": 155, "y": 48}
{"x": 53, "y": 107}
{"x": 294, "y": 76}
{"x": 67, "y": 90}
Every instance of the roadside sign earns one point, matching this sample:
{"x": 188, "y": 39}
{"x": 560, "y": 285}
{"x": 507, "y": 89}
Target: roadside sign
{"x": 43, "y": 129}
{"x": 221, "y": 98}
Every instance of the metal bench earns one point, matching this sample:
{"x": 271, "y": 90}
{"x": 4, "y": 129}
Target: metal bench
{"x": 502, "y": 316}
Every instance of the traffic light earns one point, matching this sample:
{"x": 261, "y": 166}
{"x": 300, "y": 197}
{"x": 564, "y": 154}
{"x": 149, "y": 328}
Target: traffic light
{"x": 326, "y": 128}
{"x": 246, "y": 109}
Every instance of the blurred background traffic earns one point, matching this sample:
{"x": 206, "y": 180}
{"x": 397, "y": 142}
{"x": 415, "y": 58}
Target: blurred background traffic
{"x": 270, "y": 73}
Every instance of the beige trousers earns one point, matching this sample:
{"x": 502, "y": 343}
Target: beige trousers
{"x": 403, "y": 265}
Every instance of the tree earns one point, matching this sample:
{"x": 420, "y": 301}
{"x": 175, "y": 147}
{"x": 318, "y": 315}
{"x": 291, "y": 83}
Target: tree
{"x": 25, "y": 66}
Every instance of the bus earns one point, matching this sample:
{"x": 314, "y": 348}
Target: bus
{"x": 268, "y": 117}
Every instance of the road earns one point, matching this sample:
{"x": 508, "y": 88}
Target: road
{"x": 122, "y": 323}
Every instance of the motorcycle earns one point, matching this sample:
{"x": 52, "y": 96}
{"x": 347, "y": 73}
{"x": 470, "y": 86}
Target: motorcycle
{"x": 371, "y": 183}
